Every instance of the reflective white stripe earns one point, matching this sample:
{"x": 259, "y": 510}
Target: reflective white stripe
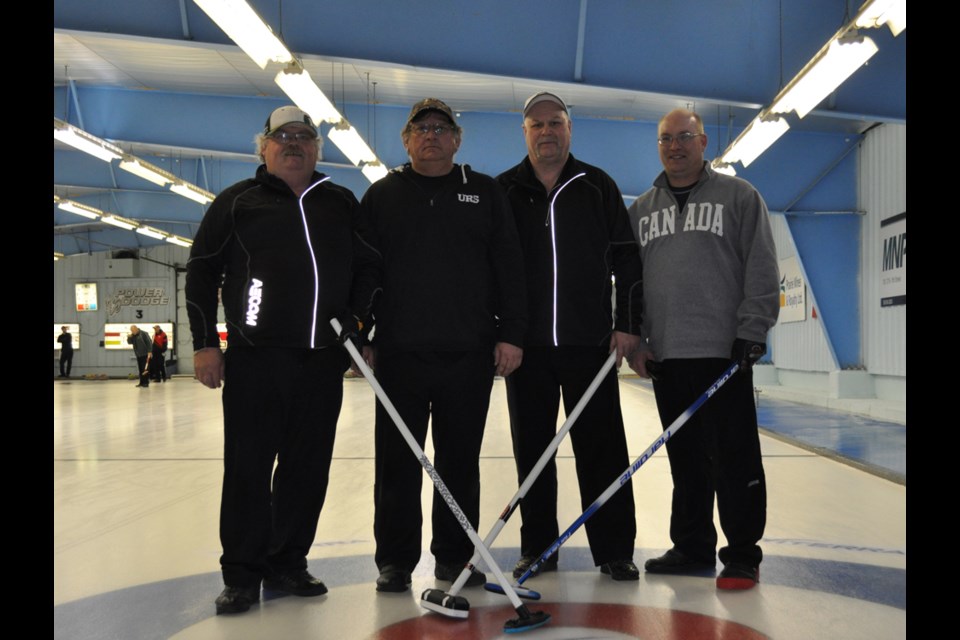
{"x": 553, "y": 240}
{"x": 313, "y": 258}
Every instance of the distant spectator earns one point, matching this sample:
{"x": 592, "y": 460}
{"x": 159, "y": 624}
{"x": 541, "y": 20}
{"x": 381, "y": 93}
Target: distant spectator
{"x": 66, "y": 351}
{"x": 158, "y": 366}
{"x": 140, "y": 342}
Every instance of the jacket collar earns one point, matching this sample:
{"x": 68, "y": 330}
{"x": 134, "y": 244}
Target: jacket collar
{"x": 525, "y": 175}
{"x": 406, "y": 171}
{"x": 266, "y": 178}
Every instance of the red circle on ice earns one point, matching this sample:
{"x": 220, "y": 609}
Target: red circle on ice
{"x": 649, "y": 623}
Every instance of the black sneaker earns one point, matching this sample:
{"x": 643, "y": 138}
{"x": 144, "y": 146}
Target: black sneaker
{"x": 621, "y": 570}
{"x": 393, "y": 579}
{"x": 677, "y": 562}
{"x": 298, "y": 583}
{"x": 550, "y": 564}
{"x": 737, "y": 576}
{"x": 237, "y": 599}
{"x": 450, "y": 573}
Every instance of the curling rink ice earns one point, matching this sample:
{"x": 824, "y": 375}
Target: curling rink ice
{"x": 136, "y": 498}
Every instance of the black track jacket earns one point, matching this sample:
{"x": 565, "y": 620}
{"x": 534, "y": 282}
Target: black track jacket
{"x": 287, "y": 264}
{"x": 452, "y": 269}
{"x": 574, "y": 238}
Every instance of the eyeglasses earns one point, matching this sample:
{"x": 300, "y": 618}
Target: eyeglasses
{"x": 436, "y": 129}
{"x": 286, "y": 137}
{"x": 683, "y": 138}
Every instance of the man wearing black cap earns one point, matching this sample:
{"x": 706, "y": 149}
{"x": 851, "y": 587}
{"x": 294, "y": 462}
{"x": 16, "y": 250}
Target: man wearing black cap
{"x": 575, "y": 236}
{"x": 288, "y": 249}
{"x": 452, "y": 314}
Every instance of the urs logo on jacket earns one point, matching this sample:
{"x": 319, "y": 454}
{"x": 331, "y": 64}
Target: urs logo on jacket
{"x": 464, "y": 197}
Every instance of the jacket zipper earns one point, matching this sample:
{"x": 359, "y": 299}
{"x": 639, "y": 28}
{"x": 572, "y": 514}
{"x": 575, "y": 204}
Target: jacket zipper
{"x": 552, "y": 223}
{"x": 313, "y": 258}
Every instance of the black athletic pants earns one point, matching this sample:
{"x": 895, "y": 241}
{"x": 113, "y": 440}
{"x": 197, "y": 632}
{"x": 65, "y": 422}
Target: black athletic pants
{"x": 452, "y": 388}
{"x": 599, "y": 444}
{"x": 283, "y": 405}
{"x": 142, "y": 371}
{"x": 66, "y": 362}
{"x": 158, "y": 366}
{"x": 716, "y": 452}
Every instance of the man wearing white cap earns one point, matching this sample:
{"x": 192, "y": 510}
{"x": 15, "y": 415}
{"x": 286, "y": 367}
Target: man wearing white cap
{"x": 576, "y": 237}
{"x": 288, "y": 249}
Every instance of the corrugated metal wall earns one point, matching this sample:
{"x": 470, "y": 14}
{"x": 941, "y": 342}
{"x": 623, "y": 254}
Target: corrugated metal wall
{"x": 154, "y": 270}
{"x": 800, "y": 346}
{"x": 882, "y": 187}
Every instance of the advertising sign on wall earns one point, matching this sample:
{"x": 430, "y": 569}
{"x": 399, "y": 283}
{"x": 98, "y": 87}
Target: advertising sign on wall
{"x": 793, "y": 292}
{"x": 86, "y": 295}
{"x": 893, "y": 260}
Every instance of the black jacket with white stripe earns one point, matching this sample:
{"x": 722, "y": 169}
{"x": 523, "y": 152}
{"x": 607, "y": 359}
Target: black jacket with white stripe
{"x": 574, "y": 239}
{"x": 287, "y": 264}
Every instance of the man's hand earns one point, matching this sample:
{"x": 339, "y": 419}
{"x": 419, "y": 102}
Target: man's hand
{"x": 369, "y": 357}
{"x": 369, "y": 354}
{"x": 624, "y": 344}
{"x": 349, "y": 329}
{"x": 746, "y": 352}
{"x": 208, "y": 366}
{"x": 506, "y": 358}
{"x": 638, "y": 362}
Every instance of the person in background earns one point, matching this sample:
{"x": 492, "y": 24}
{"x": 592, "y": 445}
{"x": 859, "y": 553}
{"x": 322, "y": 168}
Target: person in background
{"x": 141, "y": 344}
{"x": 66, "y": 351}
{"x": 158, "y": 365}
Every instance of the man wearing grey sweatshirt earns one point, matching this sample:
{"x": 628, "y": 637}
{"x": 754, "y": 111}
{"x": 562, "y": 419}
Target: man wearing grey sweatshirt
{"x": 711, "y": 293}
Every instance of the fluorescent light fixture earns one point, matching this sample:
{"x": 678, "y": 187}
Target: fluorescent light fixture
{"x": 239, "y": 21}
{"x": 194, "y": 193}
{"x": 150, "y": 232}
{"x": 822, "y": 75}
{"x": 723, "y": 167}
{"x": 83, "y": 141}
{"x": 79, "y": 209}
{"x": 351, "y": 144}
{"x": 57, "y": 256}
{"x": 105, "y": 151}
{"x": 297, "y": 83}
{"x": 760, "y": 134}
{"x": 374, "y": 171}
{"x": 117, "y": 221}
{"x": 183, "y": 242}
{"x": 876, "y": 13}
{"x": 145, "y": 170}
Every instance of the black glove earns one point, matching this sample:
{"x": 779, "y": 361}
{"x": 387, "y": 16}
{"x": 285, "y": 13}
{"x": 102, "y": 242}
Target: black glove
{"x": 350, "y": 329}
{"x": 747, "y": 352}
